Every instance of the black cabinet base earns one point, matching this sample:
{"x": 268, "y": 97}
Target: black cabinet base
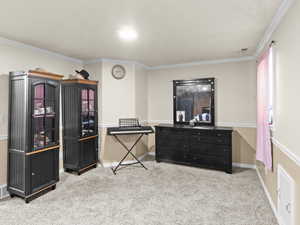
{"x": 82, "y": 170}
{"x": 33, "y": 196}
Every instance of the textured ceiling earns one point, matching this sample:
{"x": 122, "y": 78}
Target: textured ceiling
{"x": 169, "y": 31}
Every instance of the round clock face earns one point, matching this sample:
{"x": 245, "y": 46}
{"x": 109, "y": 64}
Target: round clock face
{"x": 118, "y": 72}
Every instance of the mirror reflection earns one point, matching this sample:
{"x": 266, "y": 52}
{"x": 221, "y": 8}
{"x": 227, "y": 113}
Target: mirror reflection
{"x": 194, "y": 102}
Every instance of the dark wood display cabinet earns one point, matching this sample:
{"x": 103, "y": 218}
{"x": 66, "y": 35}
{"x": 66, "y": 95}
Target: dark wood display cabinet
{"x": 80, "y": 124}
{"x": 209, "y": 147}
{"x": 33, "y": 141}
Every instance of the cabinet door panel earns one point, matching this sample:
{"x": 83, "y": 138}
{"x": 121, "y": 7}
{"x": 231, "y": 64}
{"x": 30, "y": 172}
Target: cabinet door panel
{"x": 44, "y": 169}
{"x": 44, "y": 100}
{"x": 88, "y": 152}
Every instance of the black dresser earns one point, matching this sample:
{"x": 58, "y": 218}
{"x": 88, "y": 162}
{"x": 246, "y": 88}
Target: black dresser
{"x": 209, "y": 147}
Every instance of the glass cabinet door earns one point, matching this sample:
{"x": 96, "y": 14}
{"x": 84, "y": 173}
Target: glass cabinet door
{"x": 87, "y": 112}
{"x": 44, "y": 115}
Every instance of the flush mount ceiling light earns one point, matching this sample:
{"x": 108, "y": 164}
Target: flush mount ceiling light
{"x": 127, "y": 34}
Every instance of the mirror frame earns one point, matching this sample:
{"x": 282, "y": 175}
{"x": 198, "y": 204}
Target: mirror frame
{"x": 210, "y": 81}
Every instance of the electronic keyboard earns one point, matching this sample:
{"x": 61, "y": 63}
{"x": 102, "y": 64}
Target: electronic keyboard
{"x": 130, "y": 130}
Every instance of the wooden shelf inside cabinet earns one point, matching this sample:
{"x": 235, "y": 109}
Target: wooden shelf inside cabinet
{"x": 87, "y": 138}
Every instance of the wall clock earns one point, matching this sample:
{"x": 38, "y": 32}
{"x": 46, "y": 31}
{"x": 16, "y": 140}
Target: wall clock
{"x": 118, "y": 72}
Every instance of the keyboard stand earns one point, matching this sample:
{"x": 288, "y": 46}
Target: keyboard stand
{"x": 128, "y": 152}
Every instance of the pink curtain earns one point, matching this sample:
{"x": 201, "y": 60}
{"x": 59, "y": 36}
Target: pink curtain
{"x": 263, "y": 146}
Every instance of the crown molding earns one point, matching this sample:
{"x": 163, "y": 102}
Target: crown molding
{"x": 280, "y": 13}
{"x": 171, "y": 66}
{"x": 17, "y": 44}
{"x": 204, "y": 62}
{"x": 116, "y": 61}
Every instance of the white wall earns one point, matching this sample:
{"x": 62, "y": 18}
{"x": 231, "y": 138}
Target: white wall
{"x": 235, "y": 91}
{"x": 287, "y": 115}
{"x": 141, "y": 93}
{"x": 123, "y": 98}
{"x": 17, "y": 58}
{"x": 118, "y": 96}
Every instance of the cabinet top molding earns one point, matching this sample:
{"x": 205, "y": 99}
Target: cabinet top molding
{"x": 45, "y": 74}
{"x": 80, "y": 81}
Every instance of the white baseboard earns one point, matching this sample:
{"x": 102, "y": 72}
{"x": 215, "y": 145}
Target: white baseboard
{"x": 268, "y": 195}
{"x": 3, "y": 191}
{"x": 113, "y": 164}
{"x": 151, "y": 153}
{"x": 244, "y": 165}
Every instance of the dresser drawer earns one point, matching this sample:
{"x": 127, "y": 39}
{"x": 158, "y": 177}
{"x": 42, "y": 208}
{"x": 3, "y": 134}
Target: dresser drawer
{"x": 213, "y": 138}
{"x": 208, "y": 149}
{"x": 170, "y": 154}
{"x": 170, "y": 138}
{"x": 171, "y": 132}
{"x": 207, "y": 161}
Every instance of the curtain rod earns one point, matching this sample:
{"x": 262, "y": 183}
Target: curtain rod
{"x": 272, "y": 43}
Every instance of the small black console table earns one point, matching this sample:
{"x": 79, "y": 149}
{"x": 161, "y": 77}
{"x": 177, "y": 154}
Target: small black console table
{"x": 209, "y": 147}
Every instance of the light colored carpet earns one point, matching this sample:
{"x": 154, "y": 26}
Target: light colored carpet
{"x": 164, "y": 194}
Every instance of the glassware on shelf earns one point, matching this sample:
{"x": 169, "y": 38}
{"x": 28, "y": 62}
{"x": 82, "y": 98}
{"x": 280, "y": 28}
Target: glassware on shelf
{"x": 49, "y": 137}
{"x": 84, "y": 106}
{"x": 39, "y": 140}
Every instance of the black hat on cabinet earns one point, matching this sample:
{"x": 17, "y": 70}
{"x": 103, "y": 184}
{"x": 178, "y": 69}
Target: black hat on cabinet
{"x": 83, "y": 73}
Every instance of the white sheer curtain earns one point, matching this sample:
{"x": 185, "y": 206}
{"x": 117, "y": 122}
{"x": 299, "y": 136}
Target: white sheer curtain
{"x": 263, "y": 146}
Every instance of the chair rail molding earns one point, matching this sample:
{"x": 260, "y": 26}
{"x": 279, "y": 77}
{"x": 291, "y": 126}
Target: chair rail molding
{"x": 220, "y": 124}
{"x": 287, "y": 151}
{"x": 3, "y": 137}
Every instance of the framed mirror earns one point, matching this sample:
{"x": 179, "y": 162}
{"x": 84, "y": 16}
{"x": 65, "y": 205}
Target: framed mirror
{"x": 194, "y": 101}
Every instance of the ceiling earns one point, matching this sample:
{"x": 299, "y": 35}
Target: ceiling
{"x": 170, "y": 32}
